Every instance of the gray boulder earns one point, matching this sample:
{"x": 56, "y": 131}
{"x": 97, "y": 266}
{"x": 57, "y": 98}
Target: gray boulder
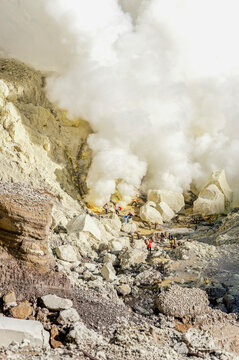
{"x": 182, "y": 302}
{"x": 68, "y": 316}
{"x": 55, "y": 303}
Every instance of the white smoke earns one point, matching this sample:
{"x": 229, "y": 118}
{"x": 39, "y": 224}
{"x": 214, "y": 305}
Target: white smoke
{"x": 156, "y": 79}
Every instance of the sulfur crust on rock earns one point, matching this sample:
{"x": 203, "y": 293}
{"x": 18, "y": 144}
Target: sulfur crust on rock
{"x": 37, "y": 139}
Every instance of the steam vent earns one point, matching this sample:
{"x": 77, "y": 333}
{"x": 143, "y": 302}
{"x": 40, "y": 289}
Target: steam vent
{"x": 119, "y": 195}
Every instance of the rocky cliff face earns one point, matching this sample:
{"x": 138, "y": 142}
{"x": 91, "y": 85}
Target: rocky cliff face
{"x": 39, "y": 145}
{"x": 25, "y": 219}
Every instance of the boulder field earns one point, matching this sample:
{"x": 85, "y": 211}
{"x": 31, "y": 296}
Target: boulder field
{"x": 79, "y": 284}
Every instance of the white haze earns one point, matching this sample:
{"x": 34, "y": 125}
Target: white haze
{"x": 156, "y": 79}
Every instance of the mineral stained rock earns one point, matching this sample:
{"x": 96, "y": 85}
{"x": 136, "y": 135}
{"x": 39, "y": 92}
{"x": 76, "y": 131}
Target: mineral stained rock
{"x": 25, "y": 262}
{"x": 22, "y": 310}
{"x": 68, "y": 316}
{"x": 25, "y": 219}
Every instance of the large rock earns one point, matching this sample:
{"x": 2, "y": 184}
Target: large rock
{"x": 165, "y": 211}
{"x": 210, "y": 201}
{"x": 56, "y": 303}
{"x": 113, "y": 222}
{"x": 218, "y": 178}
{"x": 10, "y": 298}
{"x": 58, "y": 218}
{"x": 115, "y": 246}
{"x": 228, "y": 232}
{"x": 150, "y": 214}
{"x": 84, "y": 223}
{"x": 68, "y": 316}
{"x": 129, "y": 228}
{"x": 81, "y": 335}
{"x": 66, "y": 253}
{"x": 182, "y": 302}
{"x": 25, "y": 219}
{"x": 19, "y": 330}
{"x": 110, "y": 258}
{"x": 173, "y": 199}
{"x": 131, "y": 257}
{"x": 108, "y": 272}
{"x": 124, "y": 289}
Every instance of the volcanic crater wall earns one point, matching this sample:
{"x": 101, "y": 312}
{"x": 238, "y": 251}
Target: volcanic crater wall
{"x": 39, "y": 145}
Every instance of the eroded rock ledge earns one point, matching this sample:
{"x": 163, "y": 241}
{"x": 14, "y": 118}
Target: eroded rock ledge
{"x": 26, "y": 263}
{"x": 25, "y": 219}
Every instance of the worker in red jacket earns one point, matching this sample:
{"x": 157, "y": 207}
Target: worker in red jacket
{"x": 149, "y": 245}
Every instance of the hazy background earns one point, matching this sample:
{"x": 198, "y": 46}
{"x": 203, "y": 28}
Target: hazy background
{"x": 156, "y": 79}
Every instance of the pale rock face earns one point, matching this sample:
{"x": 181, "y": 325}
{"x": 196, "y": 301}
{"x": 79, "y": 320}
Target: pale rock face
{"x": 56, "y": 303}
{"x": 68, "y": 316}
{"x": 108, "y": 272}
{"x": 218, "y": 178}
{"x": 124, "y": 289}
{"x": 58, "y": 217}
{"x": 151, "y": 203}
{"x": 124, "y": 241}
{"x": 165, "y": 211}
{"x": 129, "y": 228}
{"x": 82, "y": 335}
{"x": 90, "y": 266}
{"x": 36, "y": 136}
{"x": 173, "y": 199}
{"x": 131, "y": 257}
{"x": 110, "y": 258}
{"x": 66, "y": 253}
{"x": 113, "y": 222}
{"x": 210, "y": 201}
{"x": 116, "y": 246}
{"x": 9, "y": 298}
{"x": 150, "y": 214}
{"x": 19, "y": 330}
{"x": 84, "y": 223}
{"x": 83, "y": 242}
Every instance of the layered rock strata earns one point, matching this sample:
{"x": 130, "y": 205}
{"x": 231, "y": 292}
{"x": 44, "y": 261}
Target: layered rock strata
{"x": 25, "y": 219}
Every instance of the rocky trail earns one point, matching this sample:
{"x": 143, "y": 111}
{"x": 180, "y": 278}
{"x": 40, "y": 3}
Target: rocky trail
{"x": 124, "y": 302}
{"x": 77, "y": 283}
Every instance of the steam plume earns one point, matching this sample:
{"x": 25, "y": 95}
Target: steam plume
{"x": 156, "y": 79}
